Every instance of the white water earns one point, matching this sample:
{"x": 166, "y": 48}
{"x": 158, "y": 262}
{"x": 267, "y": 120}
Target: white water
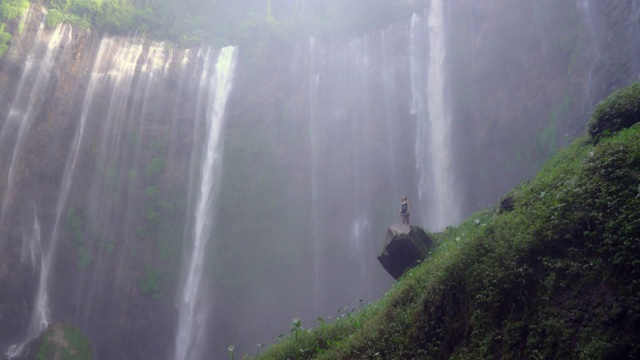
{"x": 587, "y": 17}
{"x": 586, "y": 9}
{"x": 438, "y": 201}
{"x": 31, "y": 245}
{"x": 41, "y": 314}
{"x": 31, "y": 249}
{"x": 34, "y": 83}
{"x": 314, "y": 90}
{"x": 121, "y": 75}
{"x": 192, "y": 307}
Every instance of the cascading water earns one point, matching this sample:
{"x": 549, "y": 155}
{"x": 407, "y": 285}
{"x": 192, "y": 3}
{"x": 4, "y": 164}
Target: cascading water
{"x": 126, "y": 71}
{"x": 37, "y": 76}
{"x": 31, "y": 242}
{"x": 205, "y": 176}
{"x": 437, "y": 196}
{"x": 357, "y": 132}
{"x": 314, "y": 88}
{"x": 34, "y": 84}
{"x": 587, "y": 16}
{"x": 122, "y": 98}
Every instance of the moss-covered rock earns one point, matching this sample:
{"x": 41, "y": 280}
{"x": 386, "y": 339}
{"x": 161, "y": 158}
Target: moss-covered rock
{"x": 62, "y": 341}
{"x": 619, "y": 111}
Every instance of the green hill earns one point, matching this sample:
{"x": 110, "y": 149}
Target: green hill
{"x": 553, "y": 272}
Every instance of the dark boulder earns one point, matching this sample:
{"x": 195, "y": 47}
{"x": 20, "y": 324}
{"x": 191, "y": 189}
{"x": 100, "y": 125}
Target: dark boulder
{"x": 405, "y": 247}
{"x": 507, "y": 204}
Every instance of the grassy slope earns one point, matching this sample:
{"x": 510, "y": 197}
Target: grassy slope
{"x": 556, "y": 276}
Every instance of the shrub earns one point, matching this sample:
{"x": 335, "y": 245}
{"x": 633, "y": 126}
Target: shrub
{"x": 4, "y": 40}
{"x": 11, "y": 9}
{"x": 619, "y": 111}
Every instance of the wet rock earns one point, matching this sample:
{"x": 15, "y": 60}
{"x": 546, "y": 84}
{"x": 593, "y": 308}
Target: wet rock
{"x": 507, "y": 204}
{"x": 405, "y": 247}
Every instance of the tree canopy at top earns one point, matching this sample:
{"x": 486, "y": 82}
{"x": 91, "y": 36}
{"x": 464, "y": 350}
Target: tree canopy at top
{"x": 223, "y": 22}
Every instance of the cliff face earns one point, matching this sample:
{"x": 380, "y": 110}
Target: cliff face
{"x": 101, "y": 136}
{"x": 97, "y": 140}
{"x": 528, "y": 73}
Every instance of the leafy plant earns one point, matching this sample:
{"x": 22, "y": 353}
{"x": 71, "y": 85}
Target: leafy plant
{"x": 5, "y": 37}
{"x": 296, "y": 324}
{"x": 11, "y": 9}
{"x": 230, "y": 350}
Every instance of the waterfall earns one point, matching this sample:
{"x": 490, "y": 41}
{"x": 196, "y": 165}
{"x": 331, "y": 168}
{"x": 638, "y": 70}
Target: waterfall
{"x": 192, "y": 306}
{"x": 586, "y": 12}
{"x": 437, "y": 196}
{"x": 314, "y": 89}
{"x": 418, "y": 110}
{"x": 32, "y": 89}
{"x": 126, "y": 75}
{"x": 31, "y": 243}
{"x": 34, "y": 85}
{"x": 360, "y": 140}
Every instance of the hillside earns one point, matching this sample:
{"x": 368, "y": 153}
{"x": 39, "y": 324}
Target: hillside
{"x": 550, "y": 273}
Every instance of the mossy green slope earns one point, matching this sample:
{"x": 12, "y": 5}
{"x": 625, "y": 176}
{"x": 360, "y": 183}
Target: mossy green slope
{"x": 557, "y": 275}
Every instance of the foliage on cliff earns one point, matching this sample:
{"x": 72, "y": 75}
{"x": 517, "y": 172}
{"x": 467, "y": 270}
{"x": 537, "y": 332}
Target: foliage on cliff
{"x": 63, "y": 341}
{"x": 619, "y": 111}
{"x": 226, "y": 22}
{"x": 555, "y": 274}
{"x": 9, "y": 10}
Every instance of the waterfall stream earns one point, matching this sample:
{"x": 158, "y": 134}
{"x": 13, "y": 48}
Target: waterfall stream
{"x": 205, "y": 178}
{"x": 34, "y": 84}
{"x": 37, "y": 76}
{"x": 437, "y": 196}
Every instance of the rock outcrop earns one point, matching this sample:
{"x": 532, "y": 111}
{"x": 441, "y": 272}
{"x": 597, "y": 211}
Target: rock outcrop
{"x": 405, "y": 246}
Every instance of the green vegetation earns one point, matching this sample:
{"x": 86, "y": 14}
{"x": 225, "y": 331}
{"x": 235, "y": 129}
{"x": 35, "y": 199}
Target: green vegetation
{"x": 162, "y": 222}
{"x": 75, "y": 226}
{"x": 225, "y": 22}
{"x": 157, "y": 166}
{"x": 153, "y": 282}
{"x": 5, "y": 37}
{"x": 11, "y": 9}
{"x": 552, "y": 273}
{"x": 63, "y": 341}
{"x": 84, "y": 258}
{"x": 618, "y": 111}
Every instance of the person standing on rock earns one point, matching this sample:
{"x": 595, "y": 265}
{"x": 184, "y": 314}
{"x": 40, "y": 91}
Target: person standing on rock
{"x": 404, "y": 210}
